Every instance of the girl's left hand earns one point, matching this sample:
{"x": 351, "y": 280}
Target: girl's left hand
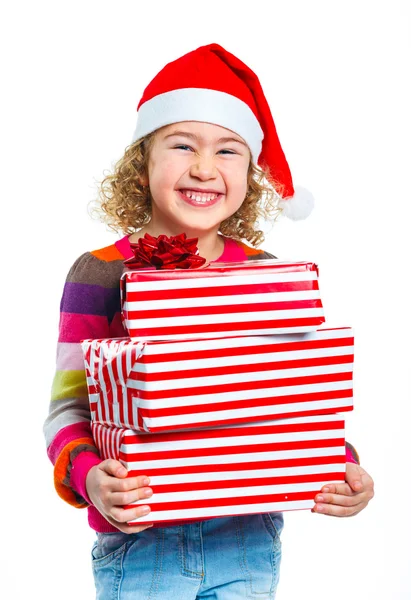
{"x": 346, "y": 499}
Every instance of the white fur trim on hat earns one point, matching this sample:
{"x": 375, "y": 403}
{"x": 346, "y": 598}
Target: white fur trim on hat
{"x": 298, "y": 206}
{"x": 198, "y": 104}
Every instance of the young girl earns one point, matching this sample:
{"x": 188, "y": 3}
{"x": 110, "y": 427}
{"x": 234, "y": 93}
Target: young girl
{"x": 203, "y": 127}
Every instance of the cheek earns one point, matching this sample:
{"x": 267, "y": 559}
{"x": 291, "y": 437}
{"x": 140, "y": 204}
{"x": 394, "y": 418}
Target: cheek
{"x": 164, "y": 174}
{"x": 236, "y": 175}
{"x": 238, "y": 189}
{"x": 161, "y": 177}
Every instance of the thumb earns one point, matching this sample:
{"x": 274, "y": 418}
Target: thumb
{"x": 114, "y": 468}
{"x": 357, "y": 485}
{"x": 353, "y": 477}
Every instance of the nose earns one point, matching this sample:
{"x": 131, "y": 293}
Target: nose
{"x": 203, "y": 168}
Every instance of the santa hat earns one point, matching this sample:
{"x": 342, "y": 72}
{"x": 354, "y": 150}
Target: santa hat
{"x": 211, "y": 85}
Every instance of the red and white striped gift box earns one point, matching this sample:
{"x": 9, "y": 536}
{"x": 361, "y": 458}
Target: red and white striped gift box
{"x": 226, "y": 299}
{"x": 267, "y": 467}
{"x": 172, "y": 385}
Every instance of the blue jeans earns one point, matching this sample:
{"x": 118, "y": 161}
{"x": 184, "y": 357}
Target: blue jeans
{"x": 227, "y": 558}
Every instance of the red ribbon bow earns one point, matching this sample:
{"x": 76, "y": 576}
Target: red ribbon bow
{"x": 163, "y": 252}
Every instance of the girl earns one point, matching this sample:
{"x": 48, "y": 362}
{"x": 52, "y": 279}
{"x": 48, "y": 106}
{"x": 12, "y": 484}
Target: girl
{"x": 203, "y": 127}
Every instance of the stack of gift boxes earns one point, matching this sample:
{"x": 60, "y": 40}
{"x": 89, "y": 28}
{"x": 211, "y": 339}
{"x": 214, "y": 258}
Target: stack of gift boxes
{"x": 226, "y": 391}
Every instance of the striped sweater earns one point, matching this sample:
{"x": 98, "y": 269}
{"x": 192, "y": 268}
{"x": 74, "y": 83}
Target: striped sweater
{"x": 90, "y": 308}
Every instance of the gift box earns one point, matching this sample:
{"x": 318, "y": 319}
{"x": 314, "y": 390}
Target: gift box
{"x": 242, "y": 469}
{"x": 171, "y": 385}
{"x": 224, "y": 299}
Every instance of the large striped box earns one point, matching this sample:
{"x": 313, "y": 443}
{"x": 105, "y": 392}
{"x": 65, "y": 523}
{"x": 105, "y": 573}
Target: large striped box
{"x": 173, "y": 385}
{"x": 226, "y": 299}
{"x": 267, "y": 467}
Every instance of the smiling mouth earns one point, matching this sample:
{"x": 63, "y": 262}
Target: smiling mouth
{"x": 199, "y": 198}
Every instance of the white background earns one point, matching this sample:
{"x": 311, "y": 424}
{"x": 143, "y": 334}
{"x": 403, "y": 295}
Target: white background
{"x": 337, "y": 77}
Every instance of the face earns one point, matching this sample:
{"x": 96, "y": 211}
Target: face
{"x": 197, "y": 173}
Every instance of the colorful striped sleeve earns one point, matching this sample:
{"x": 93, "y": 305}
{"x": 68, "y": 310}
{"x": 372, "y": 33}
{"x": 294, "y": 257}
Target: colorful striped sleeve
{"x": 84, "y": 313}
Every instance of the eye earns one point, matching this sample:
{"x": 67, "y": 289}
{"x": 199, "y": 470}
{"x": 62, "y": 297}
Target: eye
{"x": 182, "y": 147}
{"x": 228, "y": 151}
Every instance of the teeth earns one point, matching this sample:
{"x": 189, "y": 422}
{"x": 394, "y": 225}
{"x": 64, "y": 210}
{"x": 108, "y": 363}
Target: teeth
{"x": 199, "y": 197}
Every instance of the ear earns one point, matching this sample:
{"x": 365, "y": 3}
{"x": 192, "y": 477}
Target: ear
{"x": 143, "y": 180}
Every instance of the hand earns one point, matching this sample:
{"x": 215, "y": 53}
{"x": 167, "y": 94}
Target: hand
{"x": 110, "y": 489}
{"x": 346, "y": 499}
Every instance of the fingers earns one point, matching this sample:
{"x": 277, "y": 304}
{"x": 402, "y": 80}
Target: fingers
{"x": 123, "y": 515}
{"x": 342, "y": 488}
{"x": 340, "y": 500}
{"x": 125, "y": 492}
{"x": 131, "y": 483}
{"x": 334, "y": 510}
{"x": 130, "y": 490}
{"x": 113, "y": 467}
{"x": 126, "y": 528}
{"x": 137, "y": 528}
{"x": 358, "y": 481}
{"x": 110, "y": 491}
{"x": 130, "y": 496}
{"x": 118, "y": 483}
{"x": 340, "y": 505}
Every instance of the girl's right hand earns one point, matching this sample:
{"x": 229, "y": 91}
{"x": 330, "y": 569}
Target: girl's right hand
{"x": 110, "y": 489}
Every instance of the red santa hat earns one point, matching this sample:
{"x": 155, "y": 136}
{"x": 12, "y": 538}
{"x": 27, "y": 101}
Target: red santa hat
{"x": 211, "y": 85}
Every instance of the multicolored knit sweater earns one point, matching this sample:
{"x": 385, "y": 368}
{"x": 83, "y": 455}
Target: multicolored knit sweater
{"x": 90, "y": 308}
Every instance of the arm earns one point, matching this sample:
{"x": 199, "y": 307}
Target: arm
{"x": 81, "y": 477}
{"x": 70, "y": 444}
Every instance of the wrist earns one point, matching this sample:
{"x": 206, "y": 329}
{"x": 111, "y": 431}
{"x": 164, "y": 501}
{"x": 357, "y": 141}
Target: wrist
{"x": 79, "y": 471}
{"x": 351, "y": 455}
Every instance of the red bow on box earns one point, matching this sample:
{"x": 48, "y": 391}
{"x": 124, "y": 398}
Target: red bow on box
{"x": 163, "y": 252}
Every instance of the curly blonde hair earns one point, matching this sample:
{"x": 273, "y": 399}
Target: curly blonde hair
{"x": 124, "y": 204}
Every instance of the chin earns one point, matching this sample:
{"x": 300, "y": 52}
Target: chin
{"x": 202, "y": 227}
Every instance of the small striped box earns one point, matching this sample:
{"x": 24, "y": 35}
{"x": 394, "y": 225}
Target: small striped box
{"x": 226, "y": 299}
{"x": 193, "y": 384}
{"x": 244, "y": 469}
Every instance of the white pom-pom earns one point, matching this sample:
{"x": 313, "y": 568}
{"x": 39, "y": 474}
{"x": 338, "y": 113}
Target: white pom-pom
{"x": 298, "y": 206}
